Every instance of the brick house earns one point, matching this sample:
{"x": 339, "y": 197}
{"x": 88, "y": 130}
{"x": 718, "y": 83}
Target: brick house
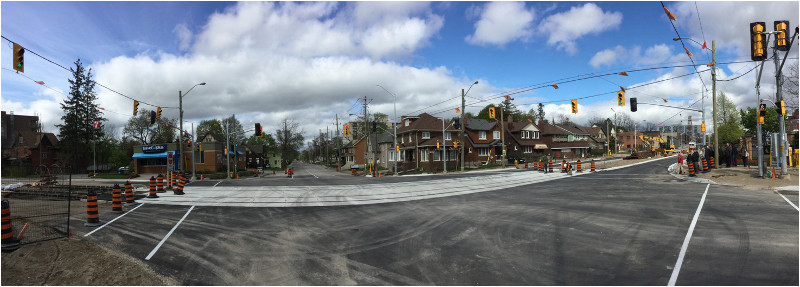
{"x": 18, "y": 132}
{"x": 483, "y": 142}
{"x": 417, "y": 138}
{"x": 564, "y": 141}
{"x": 523, "y": 140}
{"x": 630, "y": 140}
{"x": 33, "y": 148}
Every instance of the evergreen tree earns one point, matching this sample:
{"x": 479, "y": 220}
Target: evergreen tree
{"x": 77, "y": 132}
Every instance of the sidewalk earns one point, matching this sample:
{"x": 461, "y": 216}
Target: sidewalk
{"x": 746, "y": 177}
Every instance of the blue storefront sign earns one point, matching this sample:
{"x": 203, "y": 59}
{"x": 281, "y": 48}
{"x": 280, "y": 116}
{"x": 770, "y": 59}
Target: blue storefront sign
{"x": 156, "y": 148}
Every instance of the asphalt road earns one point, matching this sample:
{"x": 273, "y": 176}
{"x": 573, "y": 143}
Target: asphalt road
{"x": 622, "y": 227}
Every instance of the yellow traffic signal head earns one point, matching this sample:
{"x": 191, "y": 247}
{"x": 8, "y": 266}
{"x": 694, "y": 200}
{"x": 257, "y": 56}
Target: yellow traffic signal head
{"x": 455, "y": 144}
{"x": 621, "y": 98}
{"x": 781, "y": 40}
{"x": 781, "y": 109}
{"x": 762, "y": 113}
{"x": 158, "y": 113}
{"x": 135, "y": 107}
{"x": 437, "y": 145}
{"x": 575, "y": 106}
{"x": 491, "y": 113}
{"x": 758, "y": 42}
{"x": 397, "y": 148}
{"x": 346, "y": 130}
{"x": 19, "y": 58}
{"x": 703, "y": 127}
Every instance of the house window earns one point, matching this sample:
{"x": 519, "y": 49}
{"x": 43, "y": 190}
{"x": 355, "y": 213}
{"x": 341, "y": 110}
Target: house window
{"x": 447, "y": 136}
{"x": 482, "y": 151}
{"x": 496, "y": 135}
{"x": 437, "y": 155}
{"x": 409, "y": 138}
{"x": 391, "y": 155}
{"x": 536, "y": 135}
{"x": 201, "y": 157}
{"x": 20, "y": 139}
{"x": 44, "y": 155}
{"x": 470, "y": 150}
{"x": 516, "y": 147}
{"x": 402, "y": 139}
{"x": 402, "y": 156}
{"x": 426, "y": 135}
{"x": 527, "y": 149}
{"x": 482, "y": 135}
{"x": 423, "y": 154}
{"x": 451, "y": 155}
{"x": 408, "y": 122}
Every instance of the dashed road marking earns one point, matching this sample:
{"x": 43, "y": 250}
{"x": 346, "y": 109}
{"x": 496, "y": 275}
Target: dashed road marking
{"x": 168, "y": 234}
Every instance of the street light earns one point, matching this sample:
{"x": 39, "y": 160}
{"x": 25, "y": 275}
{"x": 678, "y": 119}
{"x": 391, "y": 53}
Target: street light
{"x": 396, "y": 156}
{"x": 180, "y": 115}
{"x": 464, "y": 122}
{"x": 713, "y": 94}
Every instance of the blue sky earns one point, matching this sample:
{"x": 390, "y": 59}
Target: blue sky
{"x": 309, "y": 61}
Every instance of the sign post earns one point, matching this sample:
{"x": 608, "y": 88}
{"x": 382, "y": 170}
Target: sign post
{"x": 170, "y": 161}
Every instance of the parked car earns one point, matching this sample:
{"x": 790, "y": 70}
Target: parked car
{"x": 122, "y": 169}
{"x": 519, "y": 160}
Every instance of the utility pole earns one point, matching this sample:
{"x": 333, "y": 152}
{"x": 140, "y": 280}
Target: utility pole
{"x": 703, "y": 114}
{"x": 338, "y": 163}
{"x": 714, "y": 99}
{"x": 444, "y": 148}
{"x": 503, "y": 137}
{"x": 180, "y": 131}
{"x": 366, "y": 134}
{"x": 781, "y": 124}
{"x": 463, "y": 123}
{"x": 227, "y": 145}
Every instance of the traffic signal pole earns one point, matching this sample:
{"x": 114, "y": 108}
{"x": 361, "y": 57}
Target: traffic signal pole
{"x": 714, "y": 98}
{"x": 781, "y": 124}
{"x": 463, "y": 123}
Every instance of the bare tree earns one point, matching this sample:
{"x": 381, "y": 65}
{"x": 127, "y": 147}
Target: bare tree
{"x": 290, "y": 140}
{"x": 790, "y": 82}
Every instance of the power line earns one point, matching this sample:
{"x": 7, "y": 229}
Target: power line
{"x": 683, "y": 44}
{"x": 99, "y": 84}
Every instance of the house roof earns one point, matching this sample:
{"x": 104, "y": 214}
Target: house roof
{"x": 424, "y": 122}
{"x": 480, "y": 124}
{"x": 548, "y": 129}
{"x": 564, "y": 145}
{"x": 214, "y": 136}
{"x": 572, "y": 129}
{"x": 255, "y": 148}
{"x": 50, "y": 137}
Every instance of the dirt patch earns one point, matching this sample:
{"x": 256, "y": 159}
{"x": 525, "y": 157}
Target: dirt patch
{"x": 75, "y": 262}
{"x": 748, "y": 177}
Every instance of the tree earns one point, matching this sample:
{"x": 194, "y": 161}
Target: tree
{"x": 541, "y": 112}
{"x": 209, "y": 126}
{"x": 730, "y": 129}
{"x": 289, "y": 140}
{"x": 80, "y": 113}
{"x": 267, "y": 141}
{"x": 143, "y": 132}
{"x": 790, "y": 87}
{"x": 748, "y": 120}
{"x": 484, "y": 113}
{"x": 234, "y": 128}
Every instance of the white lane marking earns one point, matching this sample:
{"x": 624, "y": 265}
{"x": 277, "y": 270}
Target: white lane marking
{"x": 787, "y": 200}
{"x": 678, "y": 264}
{"x": 104, "y": 225}
{"x": 168, "y": 234}
{"x": 315, "y": 175}
{"x": 215, "y": 185}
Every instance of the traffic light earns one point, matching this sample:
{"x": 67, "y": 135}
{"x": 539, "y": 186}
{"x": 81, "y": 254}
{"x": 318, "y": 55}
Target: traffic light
{"x": 621, "y": 98}
{"x": 152, "y": 117}
{"x": 135, "y": 107}
{"x": 437, "y": 145}
{"x": 575, "y": 106}
{"x": 374, "y": 126}
{"x": 491, "y": 113}
{"x": 758, "y": 42}
{"x": 455, "y": 144}
{"x": 397, "y": 148}
{"x": 158, "y": 113}
{"x": 633, "y": 105}
{"x": 781, "y": 108}
{"x": 189, "y": 143}
{"x": 226, "y": 151}
{"x": 346, "y": 130}
{"x": 19, "y": 58}
{"x": 781, "y": 41}
{"x": 457, "y": 123}
{"x": 258, "y": 129}
{"x": 199, "y": 147}
{"x": 762, "y": 113}
{"x": 703, "y": 127}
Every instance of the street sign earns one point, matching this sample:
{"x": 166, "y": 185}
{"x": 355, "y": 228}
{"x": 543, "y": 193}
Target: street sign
{"x": 170, "y": 161}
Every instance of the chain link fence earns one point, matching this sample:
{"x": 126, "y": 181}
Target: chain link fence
{"x": 39, "y": 200}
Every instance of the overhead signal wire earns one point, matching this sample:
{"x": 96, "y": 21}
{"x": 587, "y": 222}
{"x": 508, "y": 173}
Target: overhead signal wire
{"x": 99, "y": 84}
{"x": 683, "y": 44}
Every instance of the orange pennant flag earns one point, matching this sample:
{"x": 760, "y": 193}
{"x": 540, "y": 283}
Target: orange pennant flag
{"x": 554, "y": 86}
{"x": 710, "y": 64}
{"x": 529, "y": 120}
{"x": 623, "y": 74}
{"x": 622, "y": 88}
{"x": 665, "y": 99}
{"x": 670, "y": 15}
{"x": 458, "y": 111}
{"x": 687, "y": 52}
{"x": 508, "y": 98}
{"x": 704, "y": 45}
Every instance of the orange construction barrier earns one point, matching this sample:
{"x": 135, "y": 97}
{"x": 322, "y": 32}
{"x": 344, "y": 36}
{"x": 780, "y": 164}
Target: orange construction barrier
{"x": 160, "y": 183}
{"x": 129, "y": 192}
{"x": 579, "y": 166}
{"x": 705, "y": 165}
{"x": 550, "y": 166}
{"x": 92, "y": 217}
{"x": 152, "y": 188}
{"x": 9, "y": 241}
{"x": 712, "y": 165}
{"x": 691, "y": 169}
{"x": 116, "y": 199}
{"x": 592, "y": 166}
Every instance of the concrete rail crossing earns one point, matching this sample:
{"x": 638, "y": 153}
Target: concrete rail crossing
{"x": 634, "y": 225}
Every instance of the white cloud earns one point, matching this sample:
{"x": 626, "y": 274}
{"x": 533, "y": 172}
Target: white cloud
{"x": 184, "y": 36}
{"x": 501, "y": 23}
{"x": 565, "y": 28}
{"x": 653, "y": 55}
{"x": 305, "y": 61}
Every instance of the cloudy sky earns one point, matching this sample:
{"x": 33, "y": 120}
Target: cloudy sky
{"x": 311, "y": 61}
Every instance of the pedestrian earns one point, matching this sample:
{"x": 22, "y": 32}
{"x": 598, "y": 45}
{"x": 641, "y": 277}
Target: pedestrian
{"x": 728, "y": 155}
{"x": 680, "y": 163}
{"x": 745, "y": 157}
{"x": 734, "y": 153}
{"x": 696, "y": 160}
